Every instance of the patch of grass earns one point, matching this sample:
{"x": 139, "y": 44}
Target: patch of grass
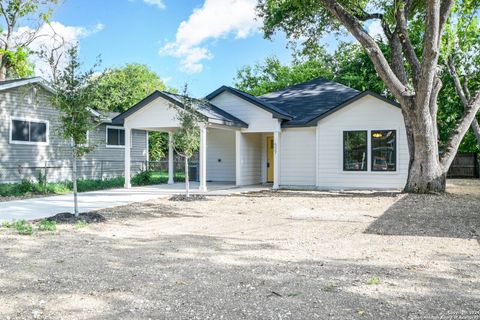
{"x": 373, "y": 281}
{"x": 47, "y": 225}
{"x": 23, "y": 227}
{"x": 6, "y": 225}
{"x": 81, "y": 224}
{"x": 329, "y": 288}
{"x": 27, "y": 187}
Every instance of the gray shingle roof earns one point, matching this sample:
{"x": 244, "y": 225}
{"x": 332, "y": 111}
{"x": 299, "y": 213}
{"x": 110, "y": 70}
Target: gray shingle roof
{"x": 309, "y": 100}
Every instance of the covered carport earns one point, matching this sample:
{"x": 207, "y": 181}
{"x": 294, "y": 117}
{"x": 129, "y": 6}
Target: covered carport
{"x": 158, "y": 112}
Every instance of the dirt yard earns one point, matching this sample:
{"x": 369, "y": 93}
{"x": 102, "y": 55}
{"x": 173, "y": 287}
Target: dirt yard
{"x": 270, "y": 255}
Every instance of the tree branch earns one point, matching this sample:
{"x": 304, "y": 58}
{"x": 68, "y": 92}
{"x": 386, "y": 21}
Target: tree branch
{"x": 471, "y": 108}
{"x": 445, "y": 9}
{"x": 402, "y": 30}
{"x": 398, "y": 89}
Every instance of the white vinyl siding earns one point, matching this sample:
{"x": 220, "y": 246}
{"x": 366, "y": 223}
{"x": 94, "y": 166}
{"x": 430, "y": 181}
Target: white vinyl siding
{"x": 368, "y": 114}
{"x": 220, "y": 155}
{"x": 258, "y": 120}
{"x": 250, "y": 158}
{"x": 17, "y": 103}
{"x": 297, "y": 157}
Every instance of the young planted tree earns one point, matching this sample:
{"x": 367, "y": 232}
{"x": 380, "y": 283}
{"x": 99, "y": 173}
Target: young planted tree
{"x": 14, "y": 42}
{"x": 73, "y": 101}
{"x": 186, "y": 139}
{"x": 411, "y": 75}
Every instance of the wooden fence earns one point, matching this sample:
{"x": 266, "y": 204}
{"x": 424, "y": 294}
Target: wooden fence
{"x": 465, "y": 165}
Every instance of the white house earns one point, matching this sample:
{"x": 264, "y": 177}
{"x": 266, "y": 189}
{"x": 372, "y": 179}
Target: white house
{"x": 318, "y": 134}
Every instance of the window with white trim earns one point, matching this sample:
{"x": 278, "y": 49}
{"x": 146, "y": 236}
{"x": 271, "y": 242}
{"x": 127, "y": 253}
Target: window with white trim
{"x": 25, "y": 131}
{"x": 115, "y": 137}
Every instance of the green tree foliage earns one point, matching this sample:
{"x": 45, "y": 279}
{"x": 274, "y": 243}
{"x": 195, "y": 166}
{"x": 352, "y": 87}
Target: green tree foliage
{"x": 186, "y": 140}
{"x": 412, "y": 72}
{"x": 118, "y": 89}
{"x": 272, "y": 75}
{"x": 351, "y": 66}
{"x": 14, "y": 52}
{"x": 73, "y": 100}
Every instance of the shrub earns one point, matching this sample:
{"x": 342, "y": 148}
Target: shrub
{"x": 26, "y": 186}
{"x": 23, "y": 227}
{"x": 143, "y": 178}
{"x": 6, "y": 224}
{"x": 47, "y": 225}
{"x": 373, "y": 281}
{"x": 81, "y": 224}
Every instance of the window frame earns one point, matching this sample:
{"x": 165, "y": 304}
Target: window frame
{"x": 344, "y": 132}
{"x": 114, "y": 146}
{"x": 28, "y": 119}
{"x": 371, "y": 151}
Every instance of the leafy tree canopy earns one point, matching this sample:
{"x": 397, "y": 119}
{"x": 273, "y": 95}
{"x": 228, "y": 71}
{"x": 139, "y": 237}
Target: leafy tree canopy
{"x": 118, "y": 89}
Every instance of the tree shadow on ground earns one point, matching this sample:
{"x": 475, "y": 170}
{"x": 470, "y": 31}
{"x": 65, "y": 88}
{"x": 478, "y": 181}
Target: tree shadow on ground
{"x": 197, "y": 277}
{"x": 447, "y": 215}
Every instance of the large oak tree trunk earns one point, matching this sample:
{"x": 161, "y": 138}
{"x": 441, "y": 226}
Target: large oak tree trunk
{"x": 426, "y": 174}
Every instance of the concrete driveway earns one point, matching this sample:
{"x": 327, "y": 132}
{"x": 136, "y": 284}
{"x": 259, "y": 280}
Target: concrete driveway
{"x": 38, "y": 208}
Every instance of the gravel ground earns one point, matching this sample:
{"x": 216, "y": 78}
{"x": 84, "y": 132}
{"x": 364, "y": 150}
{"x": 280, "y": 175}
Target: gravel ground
{"x": 268, "y": 255}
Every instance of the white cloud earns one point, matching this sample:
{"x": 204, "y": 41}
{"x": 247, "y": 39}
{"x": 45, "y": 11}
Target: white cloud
{"x": 214, "y": 20}
{"x": 375, "y": 30}
{"x": 54, "y": 38}
{"x": 158, "y": 3}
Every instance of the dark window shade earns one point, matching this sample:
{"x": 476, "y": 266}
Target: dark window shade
{"x": 38, "y": 132}
{"x": 115, "y": 137}
{"x": 20, "y": 130}
{"x": 384, "y": 150}
{"x": 122, "y": 137}
{"x": 355, "y": 148}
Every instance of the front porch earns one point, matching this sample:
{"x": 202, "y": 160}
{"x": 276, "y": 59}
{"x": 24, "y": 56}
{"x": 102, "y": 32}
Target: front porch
{"x": 230, "y": 151}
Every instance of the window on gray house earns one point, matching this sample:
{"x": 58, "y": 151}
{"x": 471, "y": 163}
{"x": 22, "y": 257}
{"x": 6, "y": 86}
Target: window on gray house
{"x": 384, "y": 150}
{"x": 24, "y": 131}
{"x": 355, "y": 150}
{"x": 115, "y": 137}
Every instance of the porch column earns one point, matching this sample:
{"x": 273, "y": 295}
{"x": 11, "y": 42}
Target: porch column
{"x": 128, "y": 133}
{"x": 203, "y": 158}
{"x": 170, "y": 157}
{"x": 238, "y": 158}
{"x": 317, "y": 156}
{"x": 276, "y": 158}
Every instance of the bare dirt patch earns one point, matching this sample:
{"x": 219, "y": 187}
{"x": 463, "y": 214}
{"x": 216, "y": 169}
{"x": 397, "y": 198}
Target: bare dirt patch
{"x": 269, "y": 255}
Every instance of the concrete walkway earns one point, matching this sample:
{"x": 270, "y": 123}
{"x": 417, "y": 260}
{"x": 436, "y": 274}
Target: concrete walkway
{"x": 38, "y": 208}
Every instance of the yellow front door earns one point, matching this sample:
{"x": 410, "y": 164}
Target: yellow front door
{"x": 270, "y": 151}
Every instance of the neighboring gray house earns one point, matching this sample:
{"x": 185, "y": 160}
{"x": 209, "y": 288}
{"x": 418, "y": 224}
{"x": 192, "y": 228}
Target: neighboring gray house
{"x": 30, "y": 140}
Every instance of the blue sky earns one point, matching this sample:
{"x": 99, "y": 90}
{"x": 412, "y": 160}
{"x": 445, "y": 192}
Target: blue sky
{"x": 205, "y": 53}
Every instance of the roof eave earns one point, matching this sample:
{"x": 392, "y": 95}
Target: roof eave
{"x": 37, "y": 80}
